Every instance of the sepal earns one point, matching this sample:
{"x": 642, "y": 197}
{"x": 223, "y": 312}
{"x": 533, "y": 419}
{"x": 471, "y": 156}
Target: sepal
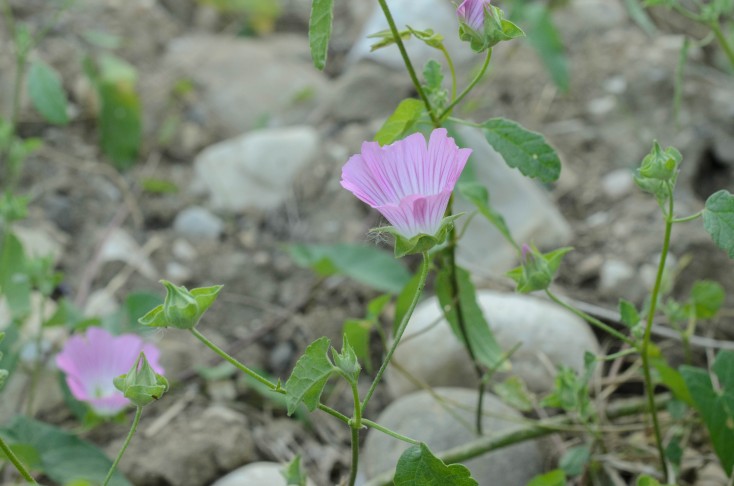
{"x": 141, "y": 385}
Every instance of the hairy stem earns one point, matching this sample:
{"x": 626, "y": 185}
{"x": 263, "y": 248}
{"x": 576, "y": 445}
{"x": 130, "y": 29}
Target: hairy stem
{"x": 16, "y": 462}
{"x": 133, "y": 427}
{"x": 590, "y": 319}
{"x": 408, "y": 63}
{"x": 447, "y": 112}
{"x": 649, "y": 385}
{"x": 401, "y": 328}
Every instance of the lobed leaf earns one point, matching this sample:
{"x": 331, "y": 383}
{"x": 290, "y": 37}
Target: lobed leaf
{"x": 309, "y": 376}
{"x": 718, "y": 220}
{"x": 417, "y": 466}
{"x": 522, "y": 149}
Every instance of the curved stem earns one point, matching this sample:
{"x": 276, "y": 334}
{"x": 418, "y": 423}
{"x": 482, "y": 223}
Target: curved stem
{"x": 401, "y": 328}
{"x": 688, "y": 218}
{"x": 649, "y": 386}
{"x": 467, "y": 90}
{"x": 133, "y": 427}
{"x": 223, "y": 354}
{"x": 391, "y": 433}
{"x": 356, "y": 425}
{"x": 406, "y": 60}
{"x": 590, "y": 319}
{"x": 16, "y": 462}
{"x": 716, "y": 29}
{"x": 452, "y": 70}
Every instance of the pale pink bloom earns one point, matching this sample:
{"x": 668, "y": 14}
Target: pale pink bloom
{"x": 92, "y": 360}
{"x": 472, "y": 12}
{"x": 408, "y": 182}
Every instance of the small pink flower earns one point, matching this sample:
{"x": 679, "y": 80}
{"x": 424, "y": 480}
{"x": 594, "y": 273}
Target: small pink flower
{"x": 93, "y": 360}
{"x": 408, "y": 182}
{"x": 472, "y": 13}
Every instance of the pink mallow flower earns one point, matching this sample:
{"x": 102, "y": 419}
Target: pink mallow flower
{"x": 408, "y": 182}
{"x": 91, "y": 361}
{"x": 472, "y": 13}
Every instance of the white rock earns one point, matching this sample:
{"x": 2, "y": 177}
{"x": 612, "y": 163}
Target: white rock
{"x": 430, "y": 351}
{"x": 600, "y": 107}
{"x": 256, "y": 170}
{"x": 617, "y": 183}
{"x": 101, "y": 303}
{"x": 439, "y": 15}
{"x": 615, "y": 275}
{"x": 41, "y": 241}
{"x": 526, "y": 207}
{"x": 183, "y": 250}
{"x": 240, "y": 81}
{"x": 120, "y": 246}
{"x": 176, "y": 272}
{"x": 199, "y": 223}
{"x": 255, "y": 474}
{"x": 421, "y": 417}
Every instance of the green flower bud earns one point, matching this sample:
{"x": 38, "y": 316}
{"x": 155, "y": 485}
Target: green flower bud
{"x": 537, "y": 270}
{"x": 660, "y": 164}
{"x": 494, "y": 29}
{"x": 182, "y": 308}
{"x": 141, "y": 385}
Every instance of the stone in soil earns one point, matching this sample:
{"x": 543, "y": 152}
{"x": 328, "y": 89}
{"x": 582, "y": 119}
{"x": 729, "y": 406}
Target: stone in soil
{"x": 207, "y": 443}
{"x": 256, "y": 474}
{"x": 548, "y": 336}
{"x": 443, "y": 426}
{"x": 243, "y": 82}
{"x": 255, "y": 171}
{"x": 527, "y": 208}
{"x": 198, "y": 223}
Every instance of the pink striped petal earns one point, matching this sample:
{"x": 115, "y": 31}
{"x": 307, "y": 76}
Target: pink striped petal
{"x": 91, "y": 361}
{"x": 408, "y": 180}
{"x": 472, "y": 12}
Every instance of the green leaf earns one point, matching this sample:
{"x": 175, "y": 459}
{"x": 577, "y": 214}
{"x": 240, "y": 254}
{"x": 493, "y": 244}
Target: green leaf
{"x": 357, "y": 331}
{"x": 293, "y": 473}
{"x": 514, "y": 393}
{"x": 347, "y": 361}
{"x": 547, "y": 42}
{"x": 400, "y": 122}
{"x": 417, "y": 466}
{"x": 628, "y": 314}
{"x": 718, "y": 220}
{"x": 47, "y": 93}
{"x": 15, "y": 285}
{"x": 575, "y": 459}
{"x": 672, "y": 379}
{"x": 706, "y": 298}
{"x": 716, "y": 405}
{"x": 365, "y": 264}
{"x": 319, "y": 30}
{"x": 402, "y": 303}
{"x": 522, "y": 149}
{"x": 120, "y": 122}
{"x": 309, "y": 376}
{"x": 478, "y": 195}
{"x": 482, "y": 342}
{"x": 64, "y": 457}
{"x": 647, "y": 481}
{"x": 159, "y": 186}
{"x": 554, "y": 478}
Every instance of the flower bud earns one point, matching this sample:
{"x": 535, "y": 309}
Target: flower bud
{"x": 181, "y": 308}
{"x": 141, "y": 385}
{"x": 537, "y": 270}
{"x": 661, "y": 164}
{"x": 484, "y": 25}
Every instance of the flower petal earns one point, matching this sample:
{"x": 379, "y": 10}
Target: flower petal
{"x": 472, "y": 12}
{"x": 417, "y": 214}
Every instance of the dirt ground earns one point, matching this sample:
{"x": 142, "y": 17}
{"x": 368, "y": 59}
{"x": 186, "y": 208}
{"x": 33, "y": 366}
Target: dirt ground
{"x": 620, "y": 99}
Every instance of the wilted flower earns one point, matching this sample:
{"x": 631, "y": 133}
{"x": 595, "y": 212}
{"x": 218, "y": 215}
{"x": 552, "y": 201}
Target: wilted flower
{"x": 408, "y": 182}
{"x": 93, "y": 360}
{"x": 472, "y": 13}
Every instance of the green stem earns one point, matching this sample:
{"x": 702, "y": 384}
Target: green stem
{"x": 39, "y": 361}
{"x": 447, "y": 112}
{"x": 401, "y": 328}
{"x": 688, "y": 218}
{"x": 223, "y": 354}
{"x": 136, "y": 421}
{"x": 622, "y": 408}
{"x": 452, "y": 70}
{"x": 590, "y": 319}
{"x": 716, "y": 29}
{"x": 408, "y": 63}
{"x": 356, "y": 425}
{"x": 649, "y": 385}
{"x": 392, "y": 433}
{"x": 16, "y": 462}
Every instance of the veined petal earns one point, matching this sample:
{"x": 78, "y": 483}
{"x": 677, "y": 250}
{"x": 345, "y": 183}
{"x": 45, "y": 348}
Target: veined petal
{"x": 417, "y": 214}
{"x": 472, "y": 12}
{"x": 446, "y": 161}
